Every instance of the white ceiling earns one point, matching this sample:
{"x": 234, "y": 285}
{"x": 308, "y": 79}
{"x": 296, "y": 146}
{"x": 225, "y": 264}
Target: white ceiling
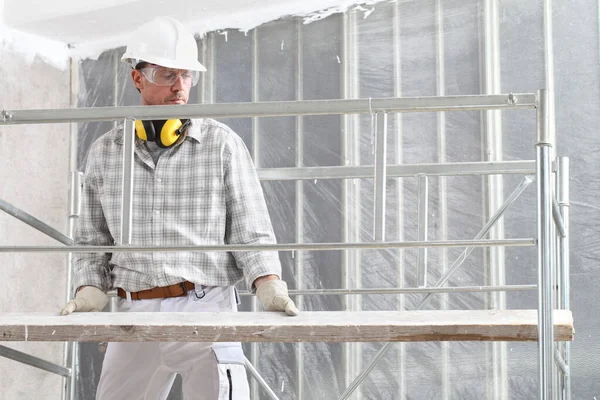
{"x": 90, "y": 20}
{"x": 57, "y": 30}
{"x": 83, "y": 22}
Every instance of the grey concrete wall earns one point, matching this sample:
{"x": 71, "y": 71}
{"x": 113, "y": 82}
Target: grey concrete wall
{"x": 34, "y": 177}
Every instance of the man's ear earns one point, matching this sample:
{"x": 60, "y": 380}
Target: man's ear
{"x": 136, "y": 77}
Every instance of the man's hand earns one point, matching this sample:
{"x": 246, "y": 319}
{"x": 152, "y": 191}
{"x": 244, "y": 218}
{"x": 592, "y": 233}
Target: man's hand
{"x": 88, "y": 298}
{"x": 273, "y": 294}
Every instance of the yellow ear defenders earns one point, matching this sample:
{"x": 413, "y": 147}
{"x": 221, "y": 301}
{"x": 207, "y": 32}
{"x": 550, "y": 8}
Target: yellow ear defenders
{"x": 169, "y": 131}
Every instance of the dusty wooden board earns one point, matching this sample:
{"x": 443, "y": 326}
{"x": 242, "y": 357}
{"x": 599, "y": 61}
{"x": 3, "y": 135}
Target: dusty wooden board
{"x": 324, "y": 326}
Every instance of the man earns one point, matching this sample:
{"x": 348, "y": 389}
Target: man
{"x": 194, "y": 184}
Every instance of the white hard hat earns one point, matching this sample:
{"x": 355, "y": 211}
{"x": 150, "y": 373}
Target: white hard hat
{"x": 163, "y": 41}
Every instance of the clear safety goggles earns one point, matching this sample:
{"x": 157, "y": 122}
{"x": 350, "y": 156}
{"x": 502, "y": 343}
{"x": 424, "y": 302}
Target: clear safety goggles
{"x": 162, "y": 76}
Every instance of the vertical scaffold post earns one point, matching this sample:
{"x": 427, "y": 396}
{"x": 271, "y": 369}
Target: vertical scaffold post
{"x": 544, "y": 230}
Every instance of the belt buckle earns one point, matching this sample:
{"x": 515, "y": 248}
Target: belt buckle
{"x": 185, "y": 290}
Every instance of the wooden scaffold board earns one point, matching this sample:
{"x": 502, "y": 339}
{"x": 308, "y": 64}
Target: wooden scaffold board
{"x": 323, "y": 326}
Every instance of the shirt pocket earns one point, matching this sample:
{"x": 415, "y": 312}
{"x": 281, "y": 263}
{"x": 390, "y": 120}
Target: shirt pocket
{"x": 200, "y": 202}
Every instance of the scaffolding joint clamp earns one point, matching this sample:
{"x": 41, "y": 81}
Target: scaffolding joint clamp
{"x": 512, "y": 99}
{"x": 6, "y": 116}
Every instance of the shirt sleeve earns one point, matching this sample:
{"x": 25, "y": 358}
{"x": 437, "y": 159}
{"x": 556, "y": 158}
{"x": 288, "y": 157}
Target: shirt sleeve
{"x": 92, "y": 269}
{"x": 247, "y": 220}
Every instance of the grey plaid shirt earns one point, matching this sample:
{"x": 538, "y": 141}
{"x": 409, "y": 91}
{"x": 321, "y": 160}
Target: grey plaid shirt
{"x": 203, "y": 191}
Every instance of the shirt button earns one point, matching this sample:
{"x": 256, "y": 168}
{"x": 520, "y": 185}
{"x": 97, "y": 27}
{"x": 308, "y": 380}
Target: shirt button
{"x": 156, "y": 212}
{"x": 159, "y": 180}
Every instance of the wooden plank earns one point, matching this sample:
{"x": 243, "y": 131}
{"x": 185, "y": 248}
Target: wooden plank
{"x": 325, "y": 326}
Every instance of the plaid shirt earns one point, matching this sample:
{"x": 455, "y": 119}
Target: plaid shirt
{"x": 203, "y": 191}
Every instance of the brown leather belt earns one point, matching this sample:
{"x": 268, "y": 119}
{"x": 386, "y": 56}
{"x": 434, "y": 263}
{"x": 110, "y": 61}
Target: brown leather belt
{"x": 177, "y": 290}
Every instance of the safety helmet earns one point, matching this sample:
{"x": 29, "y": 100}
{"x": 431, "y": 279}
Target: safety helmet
{"x": 163, "y": 41}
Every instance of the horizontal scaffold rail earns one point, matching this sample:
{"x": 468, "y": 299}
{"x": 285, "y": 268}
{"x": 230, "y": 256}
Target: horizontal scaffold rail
{"x": 397, "y": 171}
{"x": 274, "y": 108}
{"x": 324, "y": 326}
{"x": 520, "y": 242}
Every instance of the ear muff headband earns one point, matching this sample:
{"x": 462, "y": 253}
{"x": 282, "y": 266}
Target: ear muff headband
{"x": 169, "y": 132}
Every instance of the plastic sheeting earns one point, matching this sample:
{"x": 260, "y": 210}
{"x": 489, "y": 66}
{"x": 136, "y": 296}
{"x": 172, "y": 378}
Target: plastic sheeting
{"x": 403, "y": 48}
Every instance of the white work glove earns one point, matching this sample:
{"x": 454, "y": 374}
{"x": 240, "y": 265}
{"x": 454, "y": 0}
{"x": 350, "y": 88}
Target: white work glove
{"x": 274, "y": 296}
{"x": 89, "y": 298}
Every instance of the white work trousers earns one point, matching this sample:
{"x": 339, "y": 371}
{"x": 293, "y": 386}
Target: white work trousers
{"x": 146, "y": 370}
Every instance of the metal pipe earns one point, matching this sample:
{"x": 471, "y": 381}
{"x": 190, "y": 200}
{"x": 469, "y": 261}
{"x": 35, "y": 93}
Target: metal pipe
{"x": 33, "y": 361}
{"x": 422, "y": 211}
{"x": 456, "y": 289}
{"x": 562, "y": 366}
{"x": 443, "y": 187}
{"x": 511, "y": 199}
{"x": 75, "y": 188}
{"x": 71, "y": 349}
{"x": 546, "y": 137}
{"x": 34, "y": 222}
{"x": 493, "y": 191}
{"x": 564, "y": 203}
{"x": 206, "y": 88}
{"x": 401, "y": 387}
{"x": 71, "y": 353}
{"x": 255, "y": 131}
{"x": 299, "y": 205}
{"x": 351, "y": 201}
{"x": 522, "y": 242}
{"x": 397, "y": 171}
{"x": 380, "y": 177}
{"x": 558, "y": 218}
{"x": 557, "y": 288}
{"x": 544, "y": 227}
{"x": 549, "y": 76}
{"x": 200, "y": 87}
{"x": 543, "y": 122}
{"x": 265, "y": 386}
{"x": 209, "y": 93}
{"x": 275, "y": 109}
{"x": 76, "y": 177}
{"x": 127, "y": 182}
{"x": 115, "y": 88}
{"x": 255, "y": 99}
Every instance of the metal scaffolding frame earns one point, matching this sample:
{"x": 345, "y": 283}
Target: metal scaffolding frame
{"x": 552, "y": 258}
{"x": 299, "y": 206}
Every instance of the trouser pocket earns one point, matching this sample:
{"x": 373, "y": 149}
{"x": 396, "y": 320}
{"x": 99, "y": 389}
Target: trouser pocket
{"x": 233, "y": 383}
